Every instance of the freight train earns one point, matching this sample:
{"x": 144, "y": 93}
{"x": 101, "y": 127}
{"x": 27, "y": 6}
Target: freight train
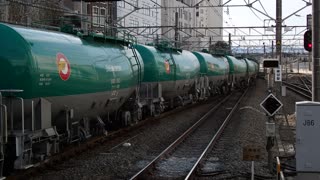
{"x": 59, "y": 88}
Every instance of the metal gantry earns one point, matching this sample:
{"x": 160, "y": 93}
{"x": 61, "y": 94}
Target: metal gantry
{"x": 246, "y": 39}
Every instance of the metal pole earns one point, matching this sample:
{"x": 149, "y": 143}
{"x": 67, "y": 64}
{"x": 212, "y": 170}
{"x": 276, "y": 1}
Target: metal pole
{"x": 230, "y": 42}
{"x": 278, "y": 29}
{"x": 298, "y": 66}
{"x": 272, "y": 48}
{"x": 28, "y": 13}
{"x": 286, "y": 69}
{"x": 310, "y": 60}
{"x": 6, "y": 11}
{"x": 81, "y": 12}
{"x": 252, "y": 170}
{"x": 264, "y": 49}
{"x": 279, "y": 34}
{"x": 176, "y": 33}
{"x": 316, "y": 51}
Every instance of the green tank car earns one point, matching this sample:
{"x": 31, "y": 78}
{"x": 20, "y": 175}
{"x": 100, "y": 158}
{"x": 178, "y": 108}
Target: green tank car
{"x": 214, "y": 71}
{"x": 169, "y": 74}
{"x": 238, "y": 71}
{"x": 57, "y": 83}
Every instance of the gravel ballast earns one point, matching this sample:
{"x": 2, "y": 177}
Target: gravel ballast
{"x": 247, "y": 127}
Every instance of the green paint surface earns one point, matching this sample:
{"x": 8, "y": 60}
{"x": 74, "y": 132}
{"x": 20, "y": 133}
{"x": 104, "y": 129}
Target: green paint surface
{"x": 28, "y": 61}
{"x": 237, "y": 66}
{"x": 182, "y": 65}
{"x": 252, "y": 66}
{"x": 212, "y": 65}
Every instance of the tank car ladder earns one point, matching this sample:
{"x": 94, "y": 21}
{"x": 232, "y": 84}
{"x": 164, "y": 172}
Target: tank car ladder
{"x": 138, "y": 64}
{"x": 174, "y": 66}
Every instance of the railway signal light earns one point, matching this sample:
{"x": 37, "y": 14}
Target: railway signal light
{"x": 308, "y": 40}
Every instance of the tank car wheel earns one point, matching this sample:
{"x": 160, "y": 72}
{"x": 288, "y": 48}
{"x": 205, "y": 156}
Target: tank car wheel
{"x": 126, "y": 118}
{"x": 139, "y": 114}
{"x": 162, "y": 107}
{"x": 152, "y": 109}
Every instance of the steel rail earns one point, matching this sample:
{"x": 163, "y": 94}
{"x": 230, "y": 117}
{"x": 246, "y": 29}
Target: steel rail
{"x": 301, "y": 91}
{"x": 303, "y": 80}
{"x": 308, "y": 81}
{"x": 215, "y": 137}
{"x": 180, "y": 139}
{"x": 70, "y": 152}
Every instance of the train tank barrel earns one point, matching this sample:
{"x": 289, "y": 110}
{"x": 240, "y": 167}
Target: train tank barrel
{"x": 176, "y": 69}
{"x": 89, "y": 75}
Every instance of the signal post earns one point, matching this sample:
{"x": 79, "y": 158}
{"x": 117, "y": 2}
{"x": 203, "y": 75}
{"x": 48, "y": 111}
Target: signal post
{"x": 316, "y": 51}
{"x": 271, "y": 105}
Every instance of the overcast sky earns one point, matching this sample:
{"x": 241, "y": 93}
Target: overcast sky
{"x": 243, "y": 16}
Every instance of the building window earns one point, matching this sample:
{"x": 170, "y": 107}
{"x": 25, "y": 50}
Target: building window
{"x": 185, "y": 13}
{"x": 95, "y": 14}
{"x": 147, "y": 11}
{"x": 148, "y": 30}
{"x": 135, "y": 2}
{"x": 102, "y": 16}
{"x": 153, "y": 13}
{"x": 121, "y": 4}
{"x": 134, "y": 23}
{"x": 122, "y": 22}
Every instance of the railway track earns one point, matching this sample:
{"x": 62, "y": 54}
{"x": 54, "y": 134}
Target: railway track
{"x": 183, "y": 156}
{"x": 306, "y": 82}
{"x": 115, "y": 137}
{"x": 299, "y": 90}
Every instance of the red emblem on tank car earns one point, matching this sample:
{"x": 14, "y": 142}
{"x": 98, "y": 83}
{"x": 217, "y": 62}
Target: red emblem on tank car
{"x": 63, "y": 66}
{"x": 167, "y": 66}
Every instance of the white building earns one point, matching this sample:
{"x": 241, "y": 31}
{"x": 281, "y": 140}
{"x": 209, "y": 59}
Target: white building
{"x": 208, "y": 16}
{"x": 186, "y": 19}
{"x": 192, "y": 14}
{"x": 127, "y": 16}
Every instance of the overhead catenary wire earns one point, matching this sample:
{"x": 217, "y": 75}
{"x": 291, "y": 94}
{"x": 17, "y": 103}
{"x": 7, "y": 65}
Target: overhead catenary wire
{"x": 37, "y": 4}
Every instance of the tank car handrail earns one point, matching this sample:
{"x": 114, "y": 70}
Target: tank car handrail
{"x": 22, "y": 114}
{"x": 10, "y": 98}
{"x": 5, "y": 122}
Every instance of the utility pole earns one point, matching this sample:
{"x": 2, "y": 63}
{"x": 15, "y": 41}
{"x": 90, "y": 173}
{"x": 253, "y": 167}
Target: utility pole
{"x": 5, "y": 10}
{"x": 278, "y": 29}
{"x": 176, "y": 33}
{"x": 270, "y": 140}
{"x": 28, "y": 13}
{"x": 264, "y": 49}
{"x": 316, "y": 51}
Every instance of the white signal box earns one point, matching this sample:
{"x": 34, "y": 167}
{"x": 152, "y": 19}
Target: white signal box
{"x": 307, "y": 136}
{"x": 277, "y": 75}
